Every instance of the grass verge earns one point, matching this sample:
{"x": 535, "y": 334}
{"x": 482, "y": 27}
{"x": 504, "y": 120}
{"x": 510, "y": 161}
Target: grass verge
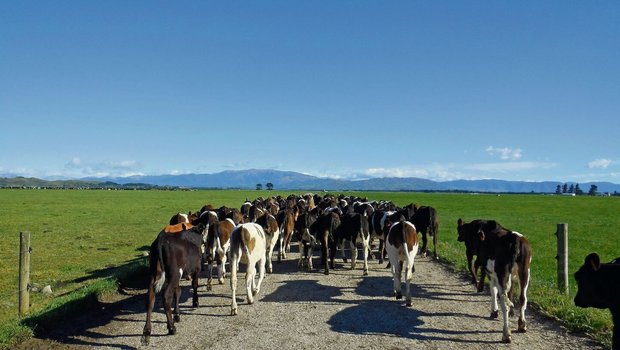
{"x": 16, "y": 331}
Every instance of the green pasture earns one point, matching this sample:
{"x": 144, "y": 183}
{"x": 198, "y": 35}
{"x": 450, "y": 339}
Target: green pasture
{"x": 77, "y": 237}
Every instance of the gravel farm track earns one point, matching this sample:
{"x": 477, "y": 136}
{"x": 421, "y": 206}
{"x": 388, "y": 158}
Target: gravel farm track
{"x": 309, "y": 310}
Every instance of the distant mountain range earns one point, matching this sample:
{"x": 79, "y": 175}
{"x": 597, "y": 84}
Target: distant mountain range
{"x": 289, "y": 180}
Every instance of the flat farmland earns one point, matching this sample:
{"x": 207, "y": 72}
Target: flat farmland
{"x": 77, "y": 234}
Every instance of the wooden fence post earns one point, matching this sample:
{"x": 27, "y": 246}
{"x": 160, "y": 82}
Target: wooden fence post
{"x": 562, "y": 257}
{"x": 24, "y": 273}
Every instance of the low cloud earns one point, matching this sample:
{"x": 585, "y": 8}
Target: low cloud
{"x": 504, "y": 153}
{"x": 80, "y": 168}
{"x": 599, "y": 163}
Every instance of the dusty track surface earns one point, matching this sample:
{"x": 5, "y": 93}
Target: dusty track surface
{"x": 308, "y": 310}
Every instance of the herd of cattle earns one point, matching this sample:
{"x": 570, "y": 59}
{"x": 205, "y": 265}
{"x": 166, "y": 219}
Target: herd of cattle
{"x": 251, "y": 233}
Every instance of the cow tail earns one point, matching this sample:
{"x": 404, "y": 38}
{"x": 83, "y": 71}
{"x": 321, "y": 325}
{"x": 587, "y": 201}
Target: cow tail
{"x": 404, "y": 236}
{"x": 160, "y": 259}
{"x": 432, "y": 221}
{"x": 245, "y": 234}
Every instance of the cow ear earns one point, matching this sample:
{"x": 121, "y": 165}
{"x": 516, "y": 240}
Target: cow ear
{"x": 481, "y": 235}
{"x": 593, "y": 261}
{"x": 460, "y": 222}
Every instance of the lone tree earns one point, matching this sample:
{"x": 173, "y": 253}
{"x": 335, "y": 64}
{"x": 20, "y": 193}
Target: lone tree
{"x": 593, "y": 190}
{"x": 259, "y": 187}
{"x": 269, "y": 186}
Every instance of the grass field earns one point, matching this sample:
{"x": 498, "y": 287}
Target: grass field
{"x": 79, "y": 236}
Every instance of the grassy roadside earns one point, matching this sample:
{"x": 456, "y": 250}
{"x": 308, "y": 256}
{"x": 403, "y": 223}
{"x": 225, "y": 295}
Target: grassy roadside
{"x": 73, "y": 303}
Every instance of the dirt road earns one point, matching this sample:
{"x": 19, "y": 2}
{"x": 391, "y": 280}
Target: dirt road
{"x": 302, "y": 310}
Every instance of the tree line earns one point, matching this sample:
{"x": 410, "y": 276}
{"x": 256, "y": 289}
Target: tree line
{"x": 574, "y": 188}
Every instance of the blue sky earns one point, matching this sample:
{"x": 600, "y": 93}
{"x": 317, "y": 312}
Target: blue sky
{"x": 441, "y": 90}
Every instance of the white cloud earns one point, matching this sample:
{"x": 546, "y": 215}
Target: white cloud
{"x": 77, "y": 167}
{"x": 599, "y": 163}
{"x": 509, "y": 166}
{"x": 505, "y": 153}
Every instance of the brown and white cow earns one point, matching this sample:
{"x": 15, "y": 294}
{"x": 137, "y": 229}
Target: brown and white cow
{"x": 217, "y": 245}
{"x": 506, "y": 255}
{"x": 272, "y": 234}
{"x": 286, "y": 221}
{"x": 401, "y": 244}
{"x": 248, "y": 245}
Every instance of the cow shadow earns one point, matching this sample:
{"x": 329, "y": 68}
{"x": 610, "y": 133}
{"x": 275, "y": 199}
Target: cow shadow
{"x": 289, "y": 292}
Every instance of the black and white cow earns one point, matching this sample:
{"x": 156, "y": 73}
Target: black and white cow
{"x": 354, "y": 228}
{"x": 598, "y": 286}
{"x": 506, "y": 254}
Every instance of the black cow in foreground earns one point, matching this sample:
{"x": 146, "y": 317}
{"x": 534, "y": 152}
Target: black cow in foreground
{"x": 174, "y": 253}
{"x": 598, "y": 286}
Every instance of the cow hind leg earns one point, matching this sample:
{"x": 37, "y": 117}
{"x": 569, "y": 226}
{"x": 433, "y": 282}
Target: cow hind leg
{"x": 249, "y": 280}
{"x": 353, "y": 254}
{"x": 524, "y": 282}
{"x": 261, "y": 276}
{"x": 366, "y": 247}
{"x": 150, "y": 303}
{"x": 168, "y": 296}
{"x": 233, "y": 284}
{"x": 195, "y": 288}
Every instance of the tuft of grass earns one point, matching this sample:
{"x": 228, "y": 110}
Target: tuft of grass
{"x": 12, "y": 333}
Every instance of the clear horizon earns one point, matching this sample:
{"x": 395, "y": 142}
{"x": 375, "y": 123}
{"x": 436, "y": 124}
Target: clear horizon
{"x": 440, "y": 91}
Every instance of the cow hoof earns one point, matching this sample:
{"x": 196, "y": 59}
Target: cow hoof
{"x": 344, "y": 260}
{"x": 172, "y": 331}
{"x": 399, "y": 296}
{"x": 365, "y": 272}
{"x": 326, "y": 272}
{"x": 233, "y": 311}
{"x": 255, "y": 291}
{"x": 195, "y": 304}
{"x": 220, "y": 280}
{"x": 380, "y": 261}
{"x": 145, "y": 340}
{"x": 409, "y": 303}
{"x": 480, "y": 288}
{"x": 511, "y": 313}
{"x": 522, "y": 327}
{"x": 494, "y": 314}
{"x": 177, "y": 318}
{"x": 209, "y": 287}
{"x": 269, "y": 270}
{"x": 506, "y": 339}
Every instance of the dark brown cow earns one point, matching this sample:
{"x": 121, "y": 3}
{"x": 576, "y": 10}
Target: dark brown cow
{"x": 172, "y": 254}
{"x": 468, "y": 234}
{"x": 426, "y": 221}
